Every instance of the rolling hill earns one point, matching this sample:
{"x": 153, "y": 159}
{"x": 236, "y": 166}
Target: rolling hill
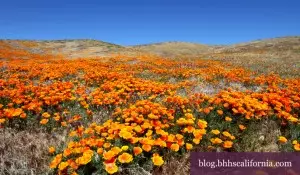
{"x": 174, "y": 49}
{"x": 280, "y": 55}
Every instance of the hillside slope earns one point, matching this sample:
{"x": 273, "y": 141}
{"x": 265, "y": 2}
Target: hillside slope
{"x": 69, "y": 48}
{"x": 173, "y": 49}
{"x": 279, "y": 55}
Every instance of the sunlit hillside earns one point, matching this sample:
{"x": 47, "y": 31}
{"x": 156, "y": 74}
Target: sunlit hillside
{"x": 90, "y": 107}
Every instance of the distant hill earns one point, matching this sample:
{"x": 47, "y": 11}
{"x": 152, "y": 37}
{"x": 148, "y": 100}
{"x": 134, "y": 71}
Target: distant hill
{"x": 281, "y": 55}
{"x": 274, "y": 44}
{"x": 171, "y": 49}
{"x": 70, "y": 48}
{"x": 88, "y": 47}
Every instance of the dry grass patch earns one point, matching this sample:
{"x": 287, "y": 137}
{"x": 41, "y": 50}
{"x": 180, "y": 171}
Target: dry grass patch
{"x": 26, "y": 152}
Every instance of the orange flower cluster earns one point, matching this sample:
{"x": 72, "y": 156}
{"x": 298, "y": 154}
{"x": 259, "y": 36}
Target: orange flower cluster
{"x": 147, "y": 128}
{"x": 284, "y": 103}
{"x": 7, "y": 51}
{"x": 242, "y": 104}
{"x": 121, "y": 91}
{"x": 28, "y": 100}
{"x": 153, "y": 105}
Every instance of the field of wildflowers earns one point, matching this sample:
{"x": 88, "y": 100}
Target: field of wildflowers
{"x": 123, "y": 112}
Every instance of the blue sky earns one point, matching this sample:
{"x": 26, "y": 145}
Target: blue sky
{"x": 130, "y": 22}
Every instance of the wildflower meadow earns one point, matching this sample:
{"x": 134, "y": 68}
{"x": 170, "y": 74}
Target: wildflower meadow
{"x": 119, "y": 114}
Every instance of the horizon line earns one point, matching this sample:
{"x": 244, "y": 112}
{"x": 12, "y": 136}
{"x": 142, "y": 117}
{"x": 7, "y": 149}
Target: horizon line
{"x": 150, "y": 43}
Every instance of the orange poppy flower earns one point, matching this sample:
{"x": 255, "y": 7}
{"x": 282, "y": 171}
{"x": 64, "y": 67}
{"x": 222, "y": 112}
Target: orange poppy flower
{"x": 51, "y": 150}
{"x": 215, "y": 131}
{"x": 294, "y": 142}
{"x": 297, "y": 147}
{"x": 242, "y": 127}
{"x": 147, "y": 148}
{"x": 124, "y": 148}
{"x": 111, "y": 168}
{"x": 44, "y": 121}
{"x": 220, "y": 112}
{"x": 227, "y": 144}
{"x": 137, "y": 150}
{"x": 216, "y": 140}
{"x": 100, "y": 151}
{"x": 125, "y": 158}
{"x": 202, "y": 124}
{"x": 206, "y": 110}
{"x": 196, "y": 141}
{"x": 63, "y": 123}
{"x": 226, "y": 105}
{"x": 228, "y": 119}
{"x": 282, "y": 139}
{"x": 57, "y": 159}
{"x": 63, "y": 165}
{"x": 116, "y": 150}
{"x": 109, "y": 155}
{"x": 23, "y": 115}
{"x": 157, "y": 160}
{"x": 67, "y": 152}
{"x": 226, "y": 134}
{"x": 175, "y": 147}
{"x": 46, "y": 115}
{"x": 2, "y": 120}
{"x": 188, "y": 146}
